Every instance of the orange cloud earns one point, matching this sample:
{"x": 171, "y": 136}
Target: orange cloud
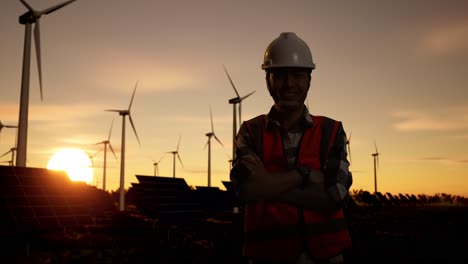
{"x": 450, "y": 119}
{"x": 448, "y": 39}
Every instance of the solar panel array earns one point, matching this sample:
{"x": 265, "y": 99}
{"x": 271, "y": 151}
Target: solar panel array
{"x": 33, "y": 199}
{"x": 166, "y": 198}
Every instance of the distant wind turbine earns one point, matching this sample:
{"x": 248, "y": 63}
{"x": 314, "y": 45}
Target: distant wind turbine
{"x": 229, "y": 160}
{"x": 155, "y": 164}
{"x": 234, "y": 101}
{"x": 124, "y": 113}
{"x": 12, "y": 151}
{"x": 91, "y": 157}
{"x": 105, "y": 143}
{"x": 376, "y": 164}
{"x": 348, "y": 144}
{"x": 6, "y": 126}
{"x": 208, "y": 143}
{"x": 27, "y": 19}
{"x": 174, "y": 154}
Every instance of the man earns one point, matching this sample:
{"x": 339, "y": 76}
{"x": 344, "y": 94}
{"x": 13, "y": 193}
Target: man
{"x": 291, "y": 168}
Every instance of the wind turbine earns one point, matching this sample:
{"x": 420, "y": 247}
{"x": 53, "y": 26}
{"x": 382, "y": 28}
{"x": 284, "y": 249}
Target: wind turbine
{"x": 376, "y": 164}
{"x": 174, "y": 154}
{"x": 106, "y": 142}
{"x": 229, "y": 160}
{"x": 12, "y": 151}
{"x": 208, "y": 143}
{"x": 27, "y": 19}
{"x": 234, "y": 101}
{"x": 348, "y": 144}
{"x": 155, "y": 164}
{"x": 124, "y": 113}
{"x": 6, "y": 126}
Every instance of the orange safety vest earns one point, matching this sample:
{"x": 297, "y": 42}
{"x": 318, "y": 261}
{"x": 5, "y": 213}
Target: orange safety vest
{"x": 279, "y": 231}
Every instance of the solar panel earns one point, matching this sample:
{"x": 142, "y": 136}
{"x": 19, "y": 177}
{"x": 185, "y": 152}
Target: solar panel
{"x": 166, "y": 198}
{"x": 228, "y": 186}
{"x": 34, "y": 199}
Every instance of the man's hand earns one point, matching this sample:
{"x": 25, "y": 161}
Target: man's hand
{"x": 260, "y": 184}
{"x": 258, "y": 176}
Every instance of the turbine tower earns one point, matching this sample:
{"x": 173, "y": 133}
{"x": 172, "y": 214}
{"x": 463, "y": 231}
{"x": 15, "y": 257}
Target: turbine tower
{"x": 376, "y": 164}
{"x": 208, "y": 143}
{"x": 235, "y": 101}
{"x": 174, "y": 154}
{"x": 124, "y": 113}
{"x": 105, "y": 143}
{"x": 229, "y": 160}
{"x": 27, "y": 19}
{"x": 348, "y": 145}
{"x": 155, "y": 164}
{"x": 6, "y": 126}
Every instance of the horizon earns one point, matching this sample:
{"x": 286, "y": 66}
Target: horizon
{"x": 393, "y": 73}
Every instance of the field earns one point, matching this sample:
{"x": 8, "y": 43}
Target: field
{"x": 432, "y": 234}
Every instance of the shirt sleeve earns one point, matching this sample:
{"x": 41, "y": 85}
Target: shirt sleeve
{"x": 338, "y": 178}
{"x": 242, "y": 144}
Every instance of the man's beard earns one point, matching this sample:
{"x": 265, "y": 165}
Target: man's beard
{"x": 288, "y": 105}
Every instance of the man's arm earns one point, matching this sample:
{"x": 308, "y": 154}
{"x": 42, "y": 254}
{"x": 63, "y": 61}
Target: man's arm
{"x": 327, "y": 189}
{"x": 250, "y": 180}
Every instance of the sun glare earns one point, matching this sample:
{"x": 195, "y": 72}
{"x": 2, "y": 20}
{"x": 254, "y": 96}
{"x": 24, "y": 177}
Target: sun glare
{"x": 75, "y": 162}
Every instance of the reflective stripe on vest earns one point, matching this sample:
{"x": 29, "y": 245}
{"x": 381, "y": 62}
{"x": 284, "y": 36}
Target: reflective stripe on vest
{"x": 279, "y": 231}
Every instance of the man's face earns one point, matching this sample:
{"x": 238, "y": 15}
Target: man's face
{"x": 288, "y": 87}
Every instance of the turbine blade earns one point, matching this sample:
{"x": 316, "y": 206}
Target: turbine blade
{"x": 211, "y": 117}
{"x": 178, "y": 157}
{"x": 242, "y": 98}
{"x": 113, "y": 110}
{"x": 27, "y": 5}
{"x": 349, "y": 138}
{"x": 110, "y": 131}
{"x": 58, "y": 6}
{"x": 134, "y": 130}
{"x": 37, "y": 40}
{"x": 375, "y": 144}
{"x": 6, "y": 153}
{"x": 110, "y": 146}
{"x": 230, "y": 80}
{"x": 217, "y": 139}
{"x": 206, "y": 144}
{"x": 133, "y": 95}
{"x": 178, "y": 144}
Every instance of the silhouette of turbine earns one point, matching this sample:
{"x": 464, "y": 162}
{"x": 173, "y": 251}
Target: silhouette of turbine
{"x": 174, "y": 154}
{"x": 27, "y": 19}
{"x": 155, "y": 164}
{"x": 124, "y": 113}
{"x": 348, "y": 144}
{"x": 208, "y": 143}
{"x": 105, "y": 143}
{"x": 235, "y": 101}
{"x": 6, "y": 126}
{"x": 376, "y": 165}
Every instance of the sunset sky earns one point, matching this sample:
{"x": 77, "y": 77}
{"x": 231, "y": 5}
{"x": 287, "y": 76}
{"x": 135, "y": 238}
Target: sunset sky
{"x": 394, "y": 72}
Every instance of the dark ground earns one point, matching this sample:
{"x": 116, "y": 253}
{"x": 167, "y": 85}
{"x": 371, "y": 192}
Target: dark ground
{"x": 424, "y": 234}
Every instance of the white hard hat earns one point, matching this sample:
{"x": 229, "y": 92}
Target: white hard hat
{"x": 288, "y": 50}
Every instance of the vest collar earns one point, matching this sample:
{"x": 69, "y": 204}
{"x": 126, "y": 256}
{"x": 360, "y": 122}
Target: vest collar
{"x": 271, "y": 121}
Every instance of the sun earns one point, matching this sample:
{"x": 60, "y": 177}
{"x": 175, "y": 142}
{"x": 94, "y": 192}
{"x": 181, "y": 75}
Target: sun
{"x": 75, "y": 162}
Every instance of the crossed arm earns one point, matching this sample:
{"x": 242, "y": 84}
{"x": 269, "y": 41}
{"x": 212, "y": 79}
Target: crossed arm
{"x": 281, "y": 186}
{"x": 325, "y": 190}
